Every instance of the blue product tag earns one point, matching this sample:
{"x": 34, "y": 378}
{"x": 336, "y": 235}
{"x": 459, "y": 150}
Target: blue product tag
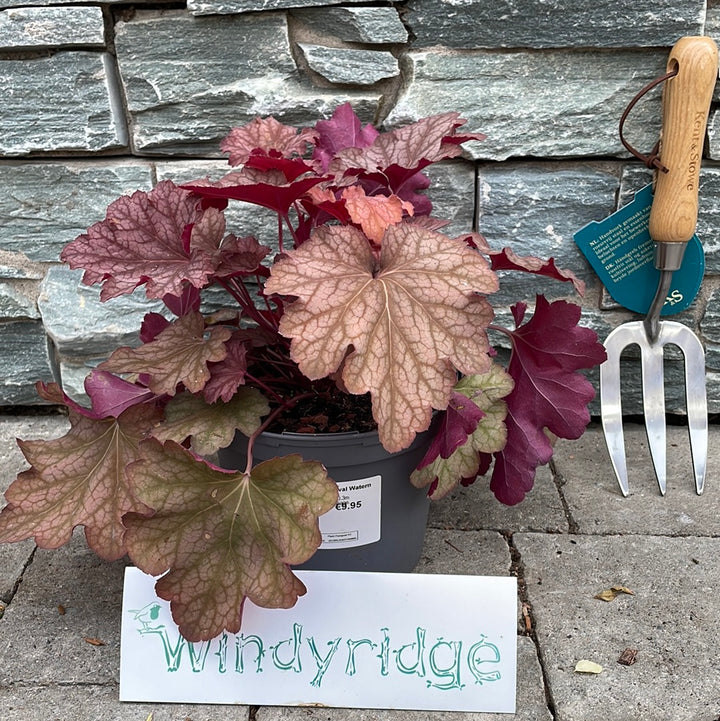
{"x": 621, "y": 252}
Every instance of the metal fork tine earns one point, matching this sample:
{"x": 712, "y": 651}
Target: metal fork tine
{"x": 695, "y": 396}
{"x": 653, "y": 390}
{"x": 611, "y": 404}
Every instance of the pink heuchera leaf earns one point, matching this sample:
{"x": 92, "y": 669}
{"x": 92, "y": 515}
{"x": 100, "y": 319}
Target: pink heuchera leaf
{"x": 227, "y": 375}
{"x": 143, "y": 239}
{"x": 343, "y": 130}
{"x": 547, "y": 353}
{"x": 374, "y": 214}
{"x": 266, "y": 136}
{"x": 399, "y": 324}
{"x": 178, "y": 354}
{"x": 111, "y": 395}
{"x": 79, "y": 480}
{"x": 225, "y": 536}
{"x": 240, "y": 256}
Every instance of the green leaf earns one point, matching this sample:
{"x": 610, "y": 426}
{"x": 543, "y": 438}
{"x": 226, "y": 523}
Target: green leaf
{"x": 179, "y": 354}
{"x": 212, "y": 426}
{"x": 78, "y": 479}
{"x": 223, "y": 536}
{"x": 486, "y": 390}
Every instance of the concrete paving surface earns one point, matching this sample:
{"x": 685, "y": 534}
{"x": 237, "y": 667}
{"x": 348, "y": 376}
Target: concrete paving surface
{"x": 573, "y": 537}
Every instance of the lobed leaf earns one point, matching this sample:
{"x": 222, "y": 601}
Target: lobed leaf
{"x": 547, "y": 353}
{"x": 178, "y": 354}
{"x": 342, "y": 130}
{"x": 266, "y": 136}
{"x": 486, "y": 391}
{"x": 374, "y": 214}
{"x": 79, "y": 480}
{"x": 224, "y": 536}
{"x": 147, "y": 238}
{"x": 400, "y": 325}
{"x": 212, "y": 426}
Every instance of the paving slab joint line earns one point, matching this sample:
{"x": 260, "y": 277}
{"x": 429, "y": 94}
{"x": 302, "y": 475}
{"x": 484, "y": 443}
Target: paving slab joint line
{"x": 517, "y": 569}
{"x": 559, "y": 481}
{"x": 5, "y": 601}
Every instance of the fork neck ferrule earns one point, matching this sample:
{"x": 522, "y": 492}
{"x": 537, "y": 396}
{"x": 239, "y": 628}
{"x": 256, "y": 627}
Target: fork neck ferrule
{"x": 669, "y": 256}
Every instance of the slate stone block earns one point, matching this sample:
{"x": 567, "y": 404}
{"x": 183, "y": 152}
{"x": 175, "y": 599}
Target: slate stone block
{"x": 16, "y": 304}
{"x": 52, "y": 27}
{"x": 355, "y": 24}
{"x": 82, "y": 326}
{"x": 230, "y": 7}
{"x": 550, "y": 104}
{"x": 66, "y": 102}
{"x": 46, "y": 205}
{"x": 452, "y": 192}
{"x": 353, "y": 67}
{"x": 189, "y": 80}
{"x": 24, "y": 360}
{"x": 554, "y": 24}
{"x": 535, "y": 208}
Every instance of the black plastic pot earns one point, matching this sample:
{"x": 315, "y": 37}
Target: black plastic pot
{"x": 380, "y": 519}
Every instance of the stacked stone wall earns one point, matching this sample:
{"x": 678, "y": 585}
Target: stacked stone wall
{"x": 97, "y": 100}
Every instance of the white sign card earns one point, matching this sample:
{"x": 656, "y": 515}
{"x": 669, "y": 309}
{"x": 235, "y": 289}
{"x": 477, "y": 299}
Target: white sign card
{"x": 355, "y": 640}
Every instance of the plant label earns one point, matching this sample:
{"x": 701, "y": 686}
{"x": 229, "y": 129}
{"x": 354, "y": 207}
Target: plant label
{"x": 337, "y": 647}
{"x": 355, "y": 520}
{"x": 621, "y": 252}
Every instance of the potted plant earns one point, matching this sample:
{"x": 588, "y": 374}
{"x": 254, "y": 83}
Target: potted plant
{"x": 366, "y": 316}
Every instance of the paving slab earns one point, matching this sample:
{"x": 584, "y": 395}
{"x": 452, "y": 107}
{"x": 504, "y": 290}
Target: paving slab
{"x": 475, "y": 507}
{"x": 99, "y": 703}
{"x": 15, "y": 556}
{"x": 671, "y": 621}
{"x": 597, "y": 506}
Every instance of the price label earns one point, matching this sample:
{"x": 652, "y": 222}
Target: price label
{"x": 355, "y": 520}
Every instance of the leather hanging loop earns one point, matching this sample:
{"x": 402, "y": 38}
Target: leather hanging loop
{"x": 652, "y": 160}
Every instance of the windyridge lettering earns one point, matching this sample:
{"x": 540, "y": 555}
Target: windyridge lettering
{"x": 441, "y": 663}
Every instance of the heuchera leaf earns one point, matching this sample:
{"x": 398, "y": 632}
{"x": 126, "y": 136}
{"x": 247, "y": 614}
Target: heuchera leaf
{"x": 240, "y": 256}
{"x": 374, "y": 214}
{"x": 506, "y": 259}
{"x": 225, "y": 536}
{"x": 143, "y": 239}
{"x": 487, "y": 391}
{"x": 111, "y": 395}
{"x": 459, "y": 420}
{"x": 178, "y": 354}
{"x": 264, "y": 189}
{"x": 228, "y": 374}
{"x": 343, "y": 130}
{"x": 395, "y": 158}
{"x": 212, "y": 426}
{"x": 399, "y": 325}
{"x": 79, "y": 479}
{"x": 547, "y": 353}
{"x": 266, "y": 136}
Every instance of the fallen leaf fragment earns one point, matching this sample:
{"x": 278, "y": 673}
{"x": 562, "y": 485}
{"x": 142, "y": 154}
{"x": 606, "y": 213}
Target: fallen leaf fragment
{"x": 94, "y": 641}
{"x": 628, "y": 657}
{"x": 585, "y": 666}
{"x": 610, "y": 594}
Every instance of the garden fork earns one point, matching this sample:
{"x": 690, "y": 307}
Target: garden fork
{"x": 673, "y": 216}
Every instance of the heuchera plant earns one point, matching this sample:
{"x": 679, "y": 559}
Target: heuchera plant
{"x": 366, "y": 297}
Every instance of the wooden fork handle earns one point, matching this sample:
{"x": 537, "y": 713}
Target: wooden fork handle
{"x": 686, "y": 103}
